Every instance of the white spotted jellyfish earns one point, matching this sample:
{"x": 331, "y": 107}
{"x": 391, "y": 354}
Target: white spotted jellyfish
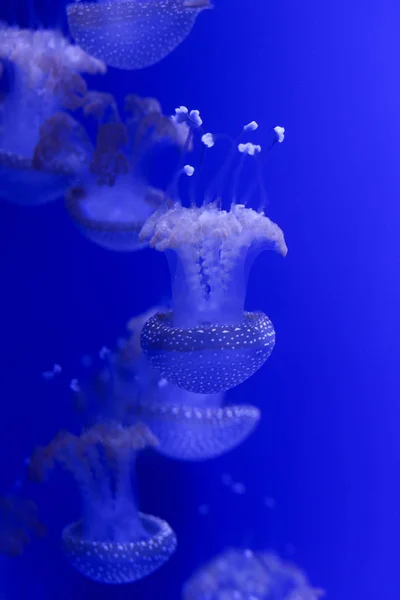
{"x": 132, "y": 34}
{"x": 40, "y": 75}
{"x": 246, "y": 575}
{"x": 208, "y": 343}
{"x": 113, "y": 197}
{"x": 113, "y": 542}
{"x": 189, "y": 426}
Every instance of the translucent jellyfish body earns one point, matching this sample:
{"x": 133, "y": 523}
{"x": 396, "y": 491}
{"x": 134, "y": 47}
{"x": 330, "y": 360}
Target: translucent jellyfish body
{"x": 208, "y": 343}
{"x": 40, "y": 74}
{"x": 246, "y": 575}
{"x": 114, "y": 197}
{"x": 196, "y": 426}
{"x": 113, "y": 542}
{"x": 132, "y": 34}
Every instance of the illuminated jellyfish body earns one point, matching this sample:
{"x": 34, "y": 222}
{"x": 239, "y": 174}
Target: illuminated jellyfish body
{"x": 132, "y": 34}
{"x": 114, "y": 197}
{"x": 188, "y": 426}
{"x": 39, "y": 76}
{"x": 196, "y": 426}
{"x": 246, "y": 575}
{"x": 209, "y": 343}
{"x": 113, "y": 542}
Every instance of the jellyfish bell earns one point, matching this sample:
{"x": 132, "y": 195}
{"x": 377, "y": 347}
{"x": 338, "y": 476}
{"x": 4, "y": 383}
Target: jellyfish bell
{"x": 198, "y": 427}
{"x": 113, "y": 543}
{"x": 115, "y": 562}
{"x": 112, "y": 202}
{"x": 59, "y": 157}
{"x": 209, "y": 357}
{"x": 26, "y": 185}
{"x": 113, "y": 225}
{"x": 40, "y": 75}
{"x": 239, "y": 573}
{"x": 132, "y": 34}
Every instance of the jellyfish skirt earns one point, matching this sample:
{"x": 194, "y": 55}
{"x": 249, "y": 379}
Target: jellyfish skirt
{"x": 119, "y": 562}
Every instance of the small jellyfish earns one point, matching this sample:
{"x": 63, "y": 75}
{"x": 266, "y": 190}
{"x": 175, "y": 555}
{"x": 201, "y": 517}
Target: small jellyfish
{"x": 113, "y": 542}
{"x": 114, "y": 197}
{"x": 208, "y": 343}
{"x": 132, "y": 34}
{"x": 19, "y": 523}
{"x": 247, "y": 575}
{"x": 40, "y": 75}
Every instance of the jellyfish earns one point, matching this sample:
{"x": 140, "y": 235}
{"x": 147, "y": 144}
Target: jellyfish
{"x": 113, "y": 542}
{"x": 208, "y": 343}
{"x": 132, "y": 34}
{"x": 248, "y": 575}
{"x": 115, "y": 197}
{"x": 40, "y": 75}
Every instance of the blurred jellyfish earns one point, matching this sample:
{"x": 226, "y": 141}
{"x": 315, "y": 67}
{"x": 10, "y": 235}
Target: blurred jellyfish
{"x": 188, "y": 426}
{"x": 113, "y": 543}
{"x": 19, "y": 523}
{"x": 247, "y": 575}
{"x": 39, "y": 77}
{"x": 114, "y": 197}
{"x": 208, "y": 343}
{"x": 132, "y": 34}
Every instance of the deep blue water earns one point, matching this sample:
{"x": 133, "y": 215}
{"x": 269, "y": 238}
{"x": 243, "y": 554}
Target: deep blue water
{"x": 327, "y": 448}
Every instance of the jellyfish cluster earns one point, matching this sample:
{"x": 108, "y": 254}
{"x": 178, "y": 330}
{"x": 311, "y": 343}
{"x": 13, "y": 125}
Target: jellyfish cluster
{"x": 165, "y": 386}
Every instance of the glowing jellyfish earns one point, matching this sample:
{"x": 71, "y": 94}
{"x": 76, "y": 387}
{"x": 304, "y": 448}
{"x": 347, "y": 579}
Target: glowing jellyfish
{"x": 39, "y": 75}
{"x": 114, "y": 197}
{"x": 209, "y": 343}
{"x": 246, "y": 575}
{"x": 113, "y": 542}
{"x": 132, "y": 34}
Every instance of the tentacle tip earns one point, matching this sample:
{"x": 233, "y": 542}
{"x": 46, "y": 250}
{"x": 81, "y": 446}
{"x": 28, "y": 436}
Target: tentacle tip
{"x": 249, "y": 148}
{"x": 188, "y": 170}
{"x": 252, "y": 126}
{"x": 280, "y": 133}
{"x": 208, "y": 140}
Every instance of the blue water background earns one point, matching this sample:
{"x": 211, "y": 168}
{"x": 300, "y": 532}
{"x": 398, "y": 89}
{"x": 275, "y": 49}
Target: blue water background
{"x": 327, "y": 449}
